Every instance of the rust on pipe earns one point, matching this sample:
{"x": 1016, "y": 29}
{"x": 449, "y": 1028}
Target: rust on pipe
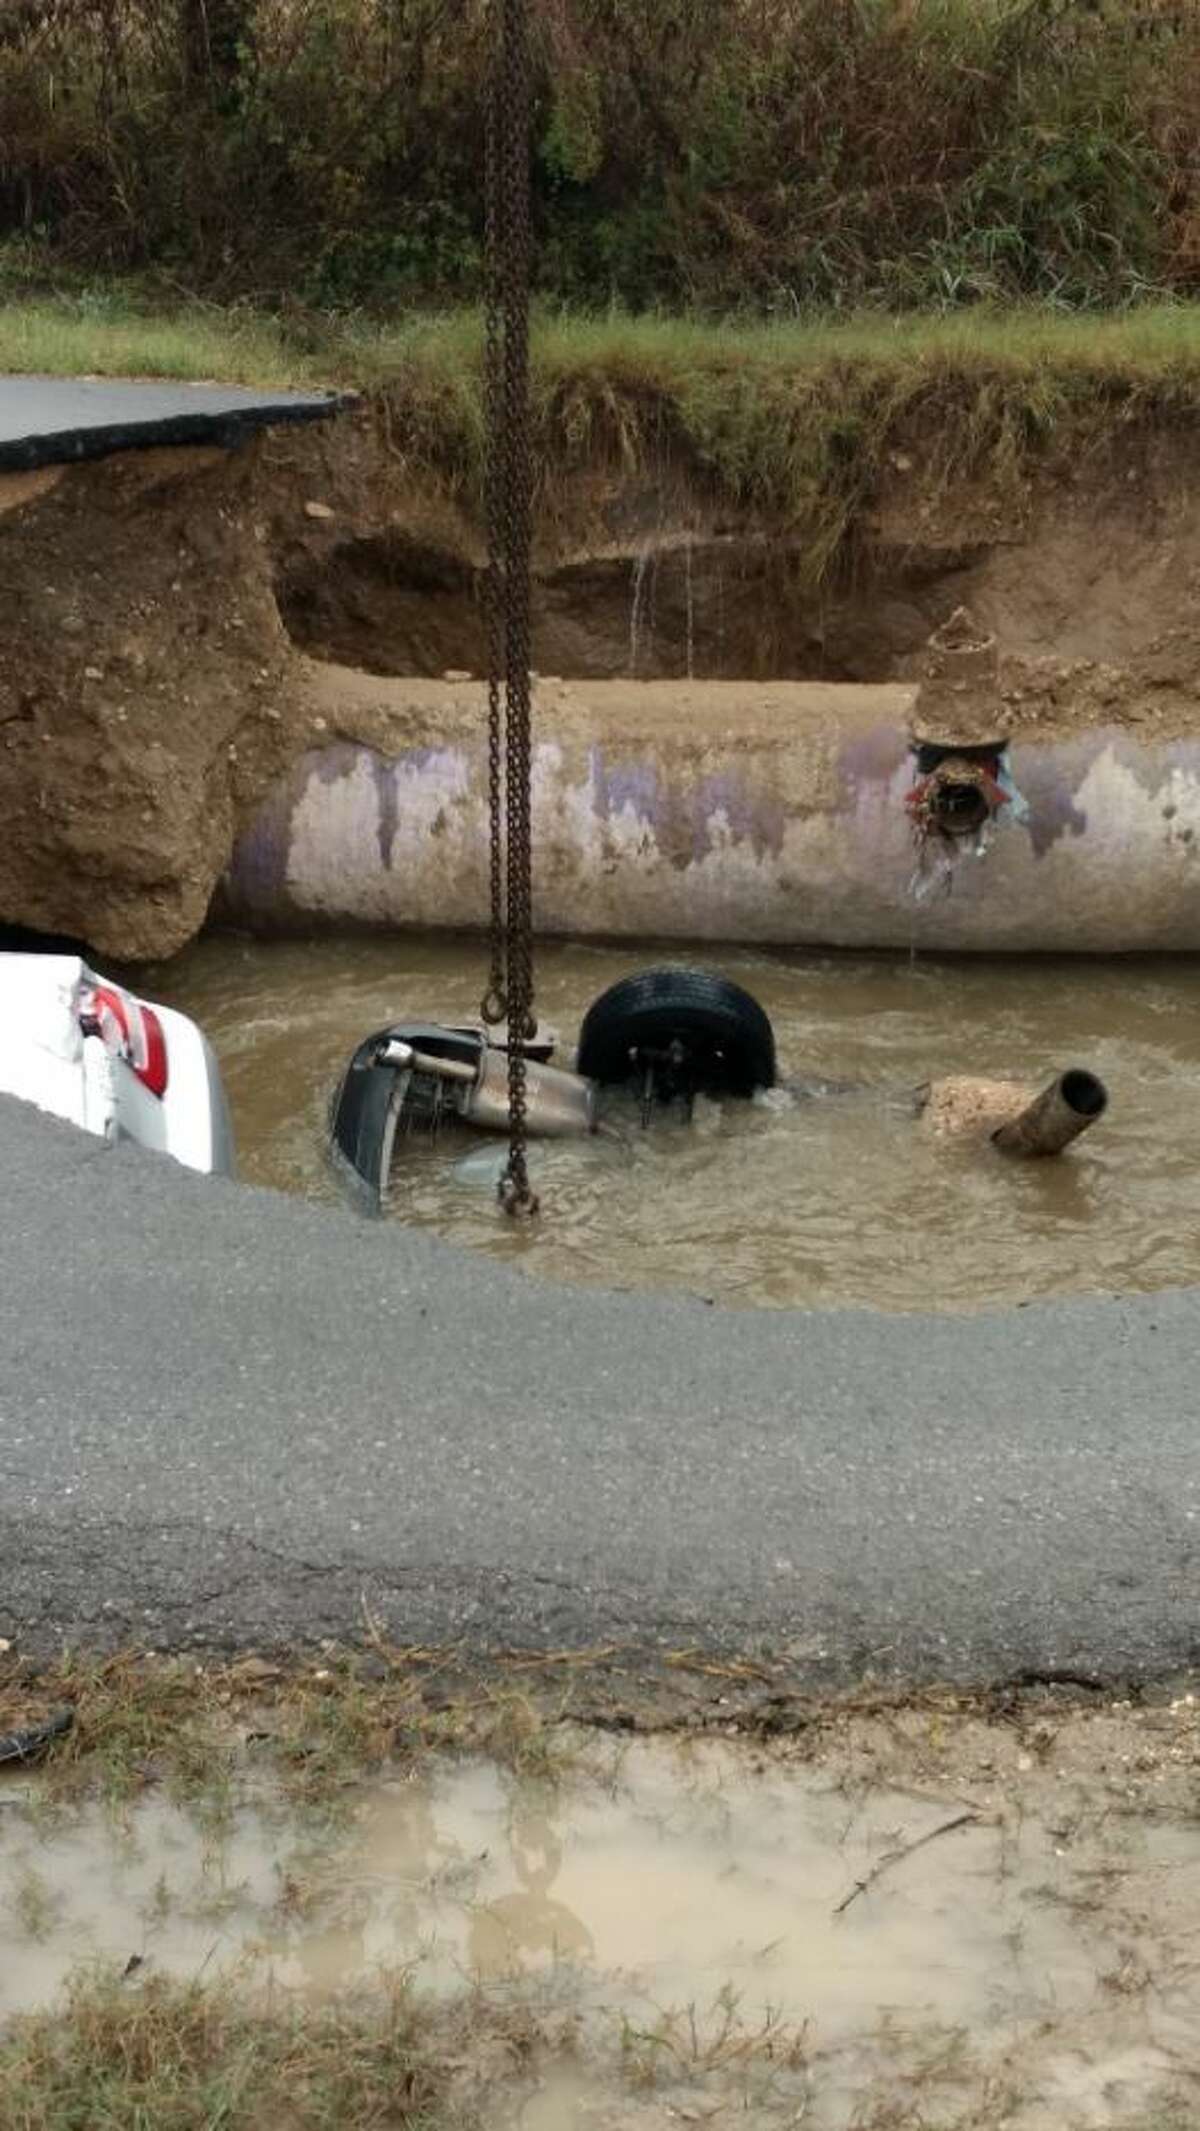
{"x": 1069, "y": 1106}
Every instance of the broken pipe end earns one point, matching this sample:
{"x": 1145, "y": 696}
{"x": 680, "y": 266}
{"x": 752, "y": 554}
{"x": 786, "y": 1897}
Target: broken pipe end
{"x": 1069, "y": 1106}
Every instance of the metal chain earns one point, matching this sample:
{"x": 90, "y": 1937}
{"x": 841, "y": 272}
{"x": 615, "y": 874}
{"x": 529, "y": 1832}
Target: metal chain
{"x": 512, "y": 532}
{"x": 495, "y": 1000}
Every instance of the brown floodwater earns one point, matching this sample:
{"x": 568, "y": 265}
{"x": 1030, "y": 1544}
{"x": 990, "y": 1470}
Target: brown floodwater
{"x": 840, "y": 1199}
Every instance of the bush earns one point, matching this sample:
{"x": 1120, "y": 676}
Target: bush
{"x": 783, "y": 155}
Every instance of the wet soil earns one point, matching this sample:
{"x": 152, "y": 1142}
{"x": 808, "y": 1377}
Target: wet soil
{"x": 952, "y": 1918}
{"x": 794, "y": 1198}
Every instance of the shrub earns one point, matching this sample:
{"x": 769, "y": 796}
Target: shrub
{"x": 782, "y": 155}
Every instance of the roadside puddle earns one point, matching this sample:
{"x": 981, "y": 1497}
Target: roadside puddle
{"x": 686, "y": 1899}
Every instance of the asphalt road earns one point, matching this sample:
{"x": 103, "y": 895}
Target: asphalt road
{"x": 225, "y": 1417}
{"x": 45, "y": 421}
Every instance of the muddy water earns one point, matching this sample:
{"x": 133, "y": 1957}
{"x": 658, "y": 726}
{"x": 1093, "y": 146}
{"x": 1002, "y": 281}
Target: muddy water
{"x": 837, "y": 1200}
{"x": 692, "y": 1892}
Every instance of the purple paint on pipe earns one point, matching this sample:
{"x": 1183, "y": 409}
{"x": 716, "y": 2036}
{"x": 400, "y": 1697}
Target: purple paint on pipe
{"x": 342, "y": 757}
{"x": 1049, "y": 787}
{"x": 257, "y": 878}
{"x": 634, "y": 786}
{"x": 384, "y": 773}
{"x": 258, "y": 871}
{"x": 681, "y": 818}
{"x": 755, "y": 818}
{"x": 872, "y": 759}
{"x": 330, "y": 764}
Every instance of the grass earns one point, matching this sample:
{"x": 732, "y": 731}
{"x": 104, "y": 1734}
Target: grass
{"x": 93, "y": 337}
{"x": 217, "y": 2056}
{"x": 316, "y": 1724}
{"x": 114, "y": 331}
{"x": 681, "y": 2044}
{"x": 192, "y": 2057}
{"x": 163, "y": 2056}
{"x": 317, "y": 1728}
{"x": 797, "y": 422}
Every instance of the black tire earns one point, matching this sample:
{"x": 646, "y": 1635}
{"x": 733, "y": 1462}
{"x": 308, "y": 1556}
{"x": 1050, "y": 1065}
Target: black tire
{"x": 727, "y": 1042}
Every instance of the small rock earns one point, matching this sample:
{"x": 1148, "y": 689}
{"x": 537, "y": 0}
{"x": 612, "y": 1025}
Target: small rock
{"x": 5, "y": 1645}
{"x": 457, "y": 673}
{"x": 318, "y": 510}
{"x": 320, "y": 725}
{"x": 93, "y": 673}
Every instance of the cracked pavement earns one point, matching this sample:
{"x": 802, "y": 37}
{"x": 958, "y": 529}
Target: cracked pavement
{"x": 231, "y": 1419}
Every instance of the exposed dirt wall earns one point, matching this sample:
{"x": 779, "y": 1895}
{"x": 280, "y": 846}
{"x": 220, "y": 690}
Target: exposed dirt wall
{"x": 1092, "y": 559}
{"x": 140, "y": 637}
{"x": 159, "y": 613}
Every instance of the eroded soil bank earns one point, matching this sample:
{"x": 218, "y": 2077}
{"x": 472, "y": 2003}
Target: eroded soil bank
{"x": 169, "y": 618}
{"x": 567, "y": 1893}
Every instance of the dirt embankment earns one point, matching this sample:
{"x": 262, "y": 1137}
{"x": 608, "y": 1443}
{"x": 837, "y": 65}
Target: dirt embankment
{"x": 162, "y": 609}
{"x": 141, "y": 638}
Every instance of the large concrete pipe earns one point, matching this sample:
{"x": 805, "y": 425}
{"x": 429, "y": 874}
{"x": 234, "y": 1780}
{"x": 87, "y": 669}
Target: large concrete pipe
{"x": 761, "y": 812}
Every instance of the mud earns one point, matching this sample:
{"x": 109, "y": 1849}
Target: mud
{"x": 973, "y": 1920}
{"x": 156, "y": 608}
